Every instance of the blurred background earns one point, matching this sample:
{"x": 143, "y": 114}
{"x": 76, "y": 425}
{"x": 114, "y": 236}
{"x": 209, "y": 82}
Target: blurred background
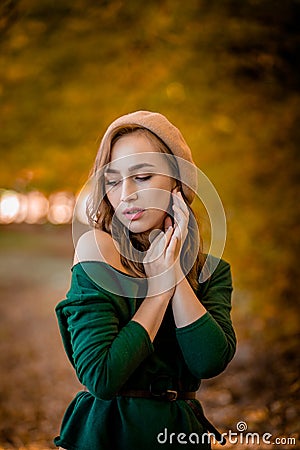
{"x": 226, "y": 73}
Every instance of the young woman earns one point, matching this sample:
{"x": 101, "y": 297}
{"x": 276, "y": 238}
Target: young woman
{"x": 139, "y": 328}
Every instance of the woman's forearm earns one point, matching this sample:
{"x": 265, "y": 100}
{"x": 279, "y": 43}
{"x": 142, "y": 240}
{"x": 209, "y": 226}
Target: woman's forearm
{"x": 151, "y": 313}
{"x": 185, "y": 304}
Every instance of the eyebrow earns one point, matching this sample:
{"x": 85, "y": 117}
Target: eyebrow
{"x": 131, "y": 169}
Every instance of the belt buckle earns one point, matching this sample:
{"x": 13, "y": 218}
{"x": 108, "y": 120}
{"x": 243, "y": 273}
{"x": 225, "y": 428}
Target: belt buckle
{"x": 171, "y": 395}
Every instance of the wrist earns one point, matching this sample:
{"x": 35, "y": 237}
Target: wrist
{"x": 163, "y": 283}
{"x": 163, "y": 297}
{"x": 179, "y": 273}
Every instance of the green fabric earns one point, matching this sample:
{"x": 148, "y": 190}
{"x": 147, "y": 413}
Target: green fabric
{"x": 109, "y": 351}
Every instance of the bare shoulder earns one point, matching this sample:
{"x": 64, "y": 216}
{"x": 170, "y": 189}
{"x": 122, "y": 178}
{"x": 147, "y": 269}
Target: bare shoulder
{"x": 96, "y": 245}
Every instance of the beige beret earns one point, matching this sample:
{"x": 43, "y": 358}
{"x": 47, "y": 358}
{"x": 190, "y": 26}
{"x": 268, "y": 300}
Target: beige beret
{"x": 171, "y": 136}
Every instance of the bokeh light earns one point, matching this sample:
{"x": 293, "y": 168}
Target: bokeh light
{"x": 35, "y": 208}
{"x": 10, "y": 205}
{"x": 61, "y": 205}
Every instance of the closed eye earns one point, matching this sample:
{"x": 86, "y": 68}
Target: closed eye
{"x": 143, "y": 178}
{"x": 140, "y": 178}
{"x": 111, "y": 182}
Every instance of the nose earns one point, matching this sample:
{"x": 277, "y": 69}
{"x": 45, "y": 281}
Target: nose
{"x": 128, "y": 190}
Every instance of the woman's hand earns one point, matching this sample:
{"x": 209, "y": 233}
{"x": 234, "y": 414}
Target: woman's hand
{"x": 159, "y": 262}
{"x": 181, "y": 217}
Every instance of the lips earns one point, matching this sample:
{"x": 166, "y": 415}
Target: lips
{"x": 133, "y": 213}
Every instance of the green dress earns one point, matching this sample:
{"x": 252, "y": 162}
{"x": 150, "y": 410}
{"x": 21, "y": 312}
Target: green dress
{"x": 109, "y": 351}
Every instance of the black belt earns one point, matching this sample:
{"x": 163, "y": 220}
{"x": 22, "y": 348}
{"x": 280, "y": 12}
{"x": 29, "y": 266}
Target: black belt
{"x": 168, "y": 394}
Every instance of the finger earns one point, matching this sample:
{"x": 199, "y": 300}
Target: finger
{"x": 178, "y": 201}
{"x": 162, "y": 240}
{"x": 154, "y": 234}
{"x": 181, "y": 224}
{"x": 178, "y": 234}
{"x": 159, "y": 242}
{"x": 168, "y": 235}
{"x": 171, "y": 249}
{"x": 158, "y": 246}
{"x": 154, "y": 238}
{"x": 180, "y": 218}
{"x": 181, "y": 204}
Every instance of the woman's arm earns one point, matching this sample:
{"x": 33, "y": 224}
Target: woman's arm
{"x": 104, "y": 346}
{"x": 185, "y": 304}
{"x": 204, "y": 330}
{"x": 208, "y": 343}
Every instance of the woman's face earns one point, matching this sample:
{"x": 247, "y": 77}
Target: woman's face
{"x": 138, "y": 183}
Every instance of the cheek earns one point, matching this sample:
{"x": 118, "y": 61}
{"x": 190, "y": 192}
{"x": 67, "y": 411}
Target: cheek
{"x": 158, "y": 199}
{"x": 113, "y": 198}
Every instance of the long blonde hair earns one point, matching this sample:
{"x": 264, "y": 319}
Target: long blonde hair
{"x": 101, "y": 213}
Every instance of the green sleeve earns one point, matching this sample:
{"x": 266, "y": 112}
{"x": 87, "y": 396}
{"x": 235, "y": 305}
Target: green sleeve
{"x": 103, "y": 352}
{"x": 209, "y": 343}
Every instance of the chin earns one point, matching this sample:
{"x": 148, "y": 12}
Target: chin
{"x": 137, "y": 228}
{"x": 142, "y": 225}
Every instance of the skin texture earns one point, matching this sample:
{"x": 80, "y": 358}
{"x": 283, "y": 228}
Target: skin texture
{"x": 145, "y": 188}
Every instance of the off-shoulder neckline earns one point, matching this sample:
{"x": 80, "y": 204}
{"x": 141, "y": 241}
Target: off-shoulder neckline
{"x": 79, "y": 263}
